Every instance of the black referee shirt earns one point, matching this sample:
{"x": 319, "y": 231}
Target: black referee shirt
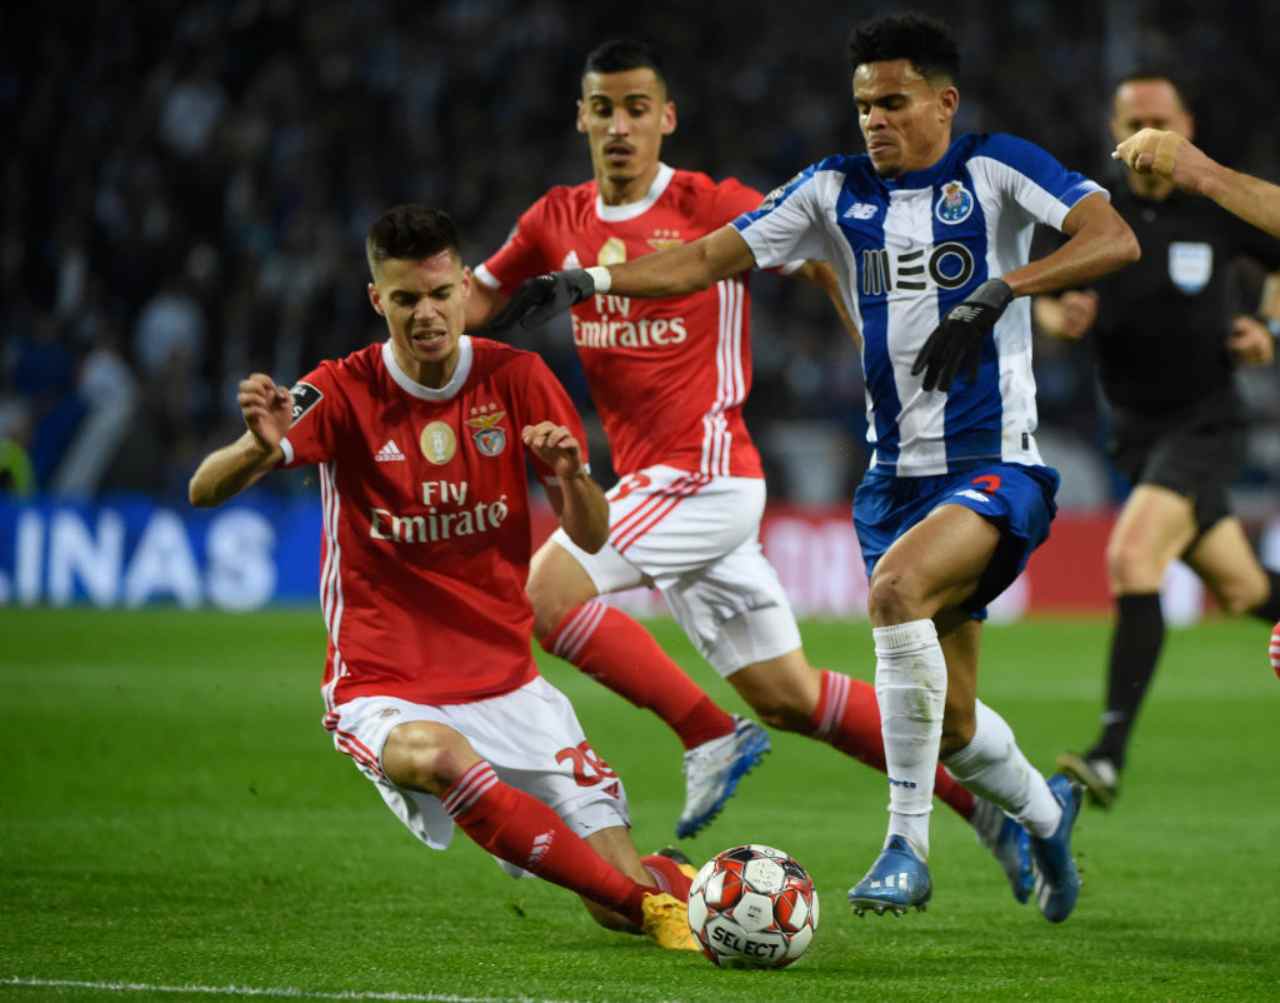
{"x": 1162, "y": 327}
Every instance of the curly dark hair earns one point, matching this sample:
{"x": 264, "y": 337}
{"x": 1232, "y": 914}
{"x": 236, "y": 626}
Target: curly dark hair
{"x": 410, "y": 232}
{"x": 925, "y": 41}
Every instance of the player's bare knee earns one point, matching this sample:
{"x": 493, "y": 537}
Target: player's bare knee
{"x": 427, "y": 757}
{"x": 785, "y": 710}
{"x": 894, "y": 597}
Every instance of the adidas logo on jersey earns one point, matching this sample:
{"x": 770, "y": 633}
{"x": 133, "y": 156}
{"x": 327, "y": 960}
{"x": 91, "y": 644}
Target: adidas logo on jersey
{"x": 389, "y": 453}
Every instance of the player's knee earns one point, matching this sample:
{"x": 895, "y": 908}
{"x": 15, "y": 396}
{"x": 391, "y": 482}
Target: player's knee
{"x": 1242, "y": 596}
{"x": 894, "y": 597}
{"x": 427, "y": 757}
{"x": 549, "y": 610}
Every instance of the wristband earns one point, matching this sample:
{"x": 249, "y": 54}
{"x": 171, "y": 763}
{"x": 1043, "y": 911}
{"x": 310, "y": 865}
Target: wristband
{"x": 601, "y": 277}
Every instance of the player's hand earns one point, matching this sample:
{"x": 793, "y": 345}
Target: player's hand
{"x": 267, "y": 409}
{"x": 1079, "y": 311}
{"x": 555, "y": 446}
{"x": 1250, "y": 343}
{"x": 956, "y": 344}
{"x": 542, "y": 297}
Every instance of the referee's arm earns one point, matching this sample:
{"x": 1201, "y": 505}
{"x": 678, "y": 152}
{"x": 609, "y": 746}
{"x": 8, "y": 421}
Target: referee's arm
{"x": 1153, "y": 151}
{"x": 1100, "y": 242}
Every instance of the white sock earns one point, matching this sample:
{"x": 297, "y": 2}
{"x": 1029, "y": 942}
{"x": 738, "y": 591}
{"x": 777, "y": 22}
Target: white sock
{"x": 992, "y": 766}
{"x": 911, "y": 689}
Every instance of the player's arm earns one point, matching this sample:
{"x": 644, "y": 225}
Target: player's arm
{"x": 576, "y": 498}
{"x": 823, "y": 276}
{"x": 673, "y": 272}
{"x": 1099, "y": 242}
{"x": 1154, "y": 151}
{"x": 224, "y": 473}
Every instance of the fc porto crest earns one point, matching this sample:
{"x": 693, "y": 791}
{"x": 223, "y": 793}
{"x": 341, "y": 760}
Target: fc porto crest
{"x": 488, "y": 437}
{"x": 954, "y": 204}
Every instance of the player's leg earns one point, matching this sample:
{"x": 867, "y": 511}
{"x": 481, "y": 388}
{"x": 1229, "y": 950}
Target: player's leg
{"x": 668, "y": 871}
{"x": 610, "y": 646}
{"x": 980, "y": 750}
{"x": 1155, "y": 525}
{"x": 935, "y": 565}
{"x": 511, "y": 824}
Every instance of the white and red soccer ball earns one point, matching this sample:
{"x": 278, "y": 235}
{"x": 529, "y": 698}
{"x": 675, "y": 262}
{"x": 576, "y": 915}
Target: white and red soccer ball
{"x": 753, "y": 907}
{"x": 1274, "y": 650}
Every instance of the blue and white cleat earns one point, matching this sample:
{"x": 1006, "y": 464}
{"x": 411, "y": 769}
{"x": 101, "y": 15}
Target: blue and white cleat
{"x": 1057, "y": 880}
{"x": 897, "y": 881}
{"x": 713, "y": 769}
{"x": 1009, "y": 843}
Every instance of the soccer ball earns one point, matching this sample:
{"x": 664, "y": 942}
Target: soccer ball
{"x": 753, "y": 907}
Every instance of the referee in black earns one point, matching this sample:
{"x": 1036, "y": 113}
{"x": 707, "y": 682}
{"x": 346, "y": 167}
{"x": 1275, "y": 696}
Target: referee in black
{"x": 1167, "y": 347}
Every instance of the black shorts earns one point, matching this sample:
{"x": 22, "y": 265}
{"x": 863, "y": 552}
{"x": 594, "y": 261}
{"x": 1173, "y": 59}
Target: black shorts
{"x": 1196, "y": 452}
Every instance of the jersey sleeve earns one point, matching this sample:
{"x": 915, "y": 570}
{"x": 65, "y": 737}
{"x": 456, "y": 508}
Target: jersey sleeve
{"x": 787, "y": 225}
{"x": 317, "y": 407}
{"x": 733, "y": 198}
{"x": 544, "y": 399}
{"x": 1025, "y": 174}
{"x": 521, "y": 257}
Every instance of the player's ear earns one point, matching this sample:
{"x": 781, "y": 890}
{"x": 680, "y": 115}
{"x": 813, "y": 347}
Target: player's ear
{"x": 581, "y": 119}
{"x": 668, "y": 118}
{"x": 948, "y": 102}
{"x": 466, "y": 282}
{"x": 375, "y": 299}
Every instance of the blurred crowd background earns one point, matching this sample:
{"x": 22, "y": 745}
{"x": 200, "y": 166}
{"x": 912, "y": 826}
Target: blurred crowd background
{"x": 186, "y": 188}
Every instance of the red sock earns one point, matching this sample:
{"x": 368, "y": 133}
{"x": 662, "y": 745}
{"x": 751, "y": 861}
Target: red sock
{"x": 667, "y": 875}
{"x": 616, "y": 651}
{"x": 848, "y": 717}
{"x": 523, "y": 831}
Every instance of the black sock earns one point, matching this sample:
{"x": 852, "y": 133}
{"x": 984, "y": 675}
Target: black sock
{"x": 1135, "y": 649}
{"x": 1269, "y": 608}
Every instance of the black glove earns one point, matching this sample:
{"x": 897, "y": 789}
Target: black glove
{"x": 542, "y": 297}
{"x": 956, "y": 344}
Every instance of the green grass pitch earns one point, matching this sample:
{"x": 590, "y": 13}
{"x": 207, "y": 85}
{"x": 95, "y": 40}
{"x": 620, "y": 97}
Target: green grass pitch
{"x": 174, "y": 817}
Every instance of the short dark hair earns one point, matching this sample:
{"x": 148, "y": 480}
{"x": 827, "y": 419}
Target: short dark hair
{"x": 1147, "y": 73}
{"x": 410, "y": 232}
{"x": 621, "y": 54}
{"x": 924, "y": 41}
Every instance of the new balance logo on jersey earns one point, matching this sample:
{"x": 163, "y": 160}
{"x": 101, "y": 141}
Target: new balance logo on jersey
{"x": 861, "y": 210}
{"x": 389, "y": 453}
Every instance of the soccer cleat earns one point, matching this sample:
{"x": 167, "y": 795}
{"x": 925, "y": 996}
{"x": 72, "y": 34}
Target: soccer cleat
{"x": 1009, "y": 843}
{"x": 1098, "y": 774}
{"x": 681, "y": 860}
{"x": 897, "y": 881}
{"x": 713, "y": 769}
{"x": 666, "y": 922}
{"x": 1057, "y": 880}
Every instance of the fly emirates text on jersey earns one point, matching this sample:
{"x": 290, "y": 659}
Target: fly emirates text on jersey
{"x": 615, "y": 330}
{"x": 445, "y": 518}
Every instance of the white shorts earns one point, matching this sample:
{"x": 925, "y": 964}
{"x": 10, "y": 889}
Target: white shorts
{"x": 530, "y": 736}
{"x": 697, "y": 539}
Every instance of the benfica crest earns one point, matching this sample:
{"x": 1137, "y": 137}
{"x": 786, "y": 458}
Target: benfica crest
{"x": 488, "y": 437}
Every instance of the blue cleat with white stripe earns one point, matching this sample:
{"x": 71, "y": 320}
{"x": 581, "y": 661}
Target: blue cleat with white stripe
{"x": 1057, "y": 880}
{"x": 898, "y": 880}
{"x": 1009, "y": 843}
{"x": 713, "y": 770}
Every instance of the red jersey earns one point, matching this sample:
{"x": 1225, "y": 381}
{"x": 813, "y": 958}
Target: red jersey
{"x": 668, "y": 377}
{"x": 426, "y": 539}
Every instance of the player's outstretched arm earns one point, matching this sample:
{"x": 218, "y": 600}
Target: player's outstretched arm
{"x": 224, "y": 473}
{"x": 1100, "y": 242}
{"x": 673, "y": 272}
{"x": 1154, "y": 151}
{"x": 576, "y": 498}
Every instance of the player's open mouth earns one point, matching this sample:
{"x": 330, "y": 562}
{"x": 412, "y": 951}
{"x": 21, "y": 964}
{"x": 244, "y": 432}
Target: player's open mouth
{"x": 428, "y": 339}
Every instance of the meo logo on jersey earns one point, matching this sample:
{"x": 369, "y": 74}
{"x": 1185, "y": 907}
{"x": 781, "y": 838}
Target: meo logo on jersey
{"x": 489, "y": 439}
{"x": 955, "y": 204}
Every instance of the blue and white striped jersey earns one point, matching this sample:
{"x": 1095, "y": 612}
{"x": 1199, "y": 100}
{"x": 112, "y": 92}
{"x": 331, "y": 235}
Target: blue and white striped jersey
{"x": 908, "y": 249}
